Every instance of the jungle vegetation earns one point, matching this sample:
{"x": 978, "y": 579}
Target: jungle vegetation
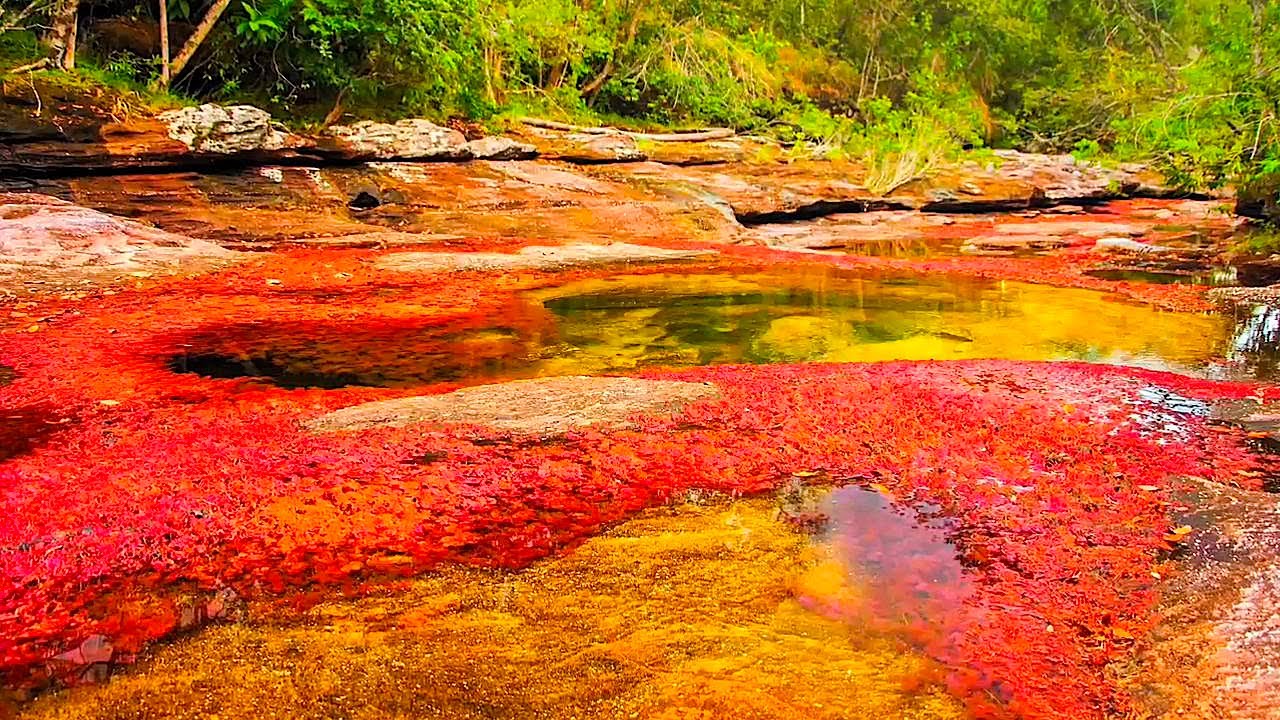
{"x": 1193, "y": 85}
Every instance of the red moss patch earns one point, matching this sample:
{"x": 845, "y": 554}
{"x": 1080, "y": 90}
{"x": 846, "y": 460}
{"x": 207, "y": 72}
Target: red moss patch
{"x": 1057, "y": 476}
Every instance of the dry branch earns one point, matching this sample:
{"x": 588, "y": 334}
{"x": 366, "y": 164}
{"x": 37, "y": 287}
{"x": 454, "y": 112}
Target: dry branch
{"x": 693, "y": 136}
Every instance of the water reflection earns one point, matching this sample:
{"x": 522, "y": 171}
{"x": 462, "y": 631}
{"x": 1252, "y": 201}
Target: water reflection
{"x": 622, "y": 323}
{"x": 1219, "y": 276}
{"x": 910, "y": 578}
{"x": 1256, "y": 343}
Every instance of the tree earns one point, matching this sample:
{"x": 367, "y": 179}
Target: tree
{"x": 164, "y": 43}
{"x": 201, "y": 32}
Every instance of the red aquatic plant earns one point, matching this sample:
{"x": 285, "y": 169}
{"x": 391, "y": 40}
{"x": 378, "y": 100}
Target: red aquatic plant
{"x": 1056, "y": 478}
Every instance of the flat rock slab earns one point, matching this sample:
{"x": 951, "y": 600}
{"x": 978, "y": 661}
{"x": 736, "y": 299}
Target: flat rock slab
{"x": 534, "y": 257}
{"x": 41, "y": 232}
{"x": 545, "y": 406}
{"x": 1216, "y": 653}
{"x": 487, "y": 203}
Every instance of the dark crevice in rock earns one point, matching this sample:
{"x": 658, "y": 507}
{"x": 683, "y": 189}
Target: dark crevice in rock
{"x": 819, "y": 209}
{"x": 51, "y": 167}
{"x": 947, "y": 206}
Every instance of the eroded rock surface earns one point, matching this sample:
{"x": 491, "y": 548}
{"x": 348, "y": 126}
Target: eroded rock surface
{"x": 534, "y": 257}
{"x": 444, "y": 204}
{"x": 500, "y": 148}
{"x": 1245, "y": 297}
{"x": 43, "y": 234}
{"x": 545, "y": 406}
{"x": 412, "y": 139}
{"x": 226, "y": 130}
{"x": 1216, "y": 652}
{"x": 769, "y": 192}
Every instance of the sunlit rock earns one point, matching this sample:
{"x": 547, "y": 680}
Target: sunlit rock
{"x": 224, "y": 130}
{"x": 544, "y": 406}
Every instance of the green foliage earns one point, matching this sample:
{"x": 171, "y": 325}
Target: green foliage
{"x": 1192, "y": 85}
{"x": 1261, "y": 242}
{"x": 408, "y": 56}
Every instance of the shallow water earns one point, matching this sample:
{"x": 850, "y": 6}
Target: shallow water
{"x": 684, "y": 612}
{"x": 724, "y": 616}
{"x": 628, "y": 322}
{"x": 910, "y": 574}
{"x": 623, "y": 322}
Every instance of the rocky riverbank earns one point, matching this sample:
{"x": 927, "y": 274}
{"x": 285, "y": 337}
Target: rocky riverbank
{"x": 203, "y": 283}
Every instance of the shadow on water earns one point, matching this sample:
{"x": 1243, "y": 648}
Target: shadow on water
{"x": 24, "y": 429}
{"x": 1216, "y": 277}
{"x": 332, "y": 357}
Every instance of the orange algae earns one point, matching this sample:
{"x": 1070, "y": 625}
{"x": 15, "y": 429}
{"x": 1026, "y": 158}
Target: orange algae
{"x": 686, "y": 612}
{"x": 178, "y": 481}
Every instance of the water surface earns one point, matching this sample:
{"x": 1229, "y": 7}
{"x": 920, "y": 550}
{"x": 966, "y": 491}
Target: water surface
{"x": 627, "y": 322}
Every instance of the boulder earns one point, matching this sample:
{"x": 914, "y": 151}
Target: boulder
{"x": 500, "y": 148}
{"x": 228, "y": 130}
{"x": 412, "y": 139}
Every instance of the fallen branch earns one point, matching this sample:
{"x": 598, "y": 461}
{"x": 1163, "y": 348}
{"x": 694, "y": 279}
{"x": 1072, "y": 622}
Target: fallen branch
{"x": 694, "y": 136}
{"x": 40, "y": 64}
{"x": 15, "y": 19}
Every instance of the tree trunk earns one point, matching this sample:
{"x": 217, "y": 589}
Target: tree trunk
{"x": 592, "y": 88}
{"x": 197, "y": 37}
{"x": 62, "y": 34}
{"x": 164, "y": 44}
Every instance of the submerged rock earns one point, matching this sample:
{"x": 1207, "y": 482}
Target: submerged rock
{"x": 543, "y": 406}
{"x": 1015, "y": 242}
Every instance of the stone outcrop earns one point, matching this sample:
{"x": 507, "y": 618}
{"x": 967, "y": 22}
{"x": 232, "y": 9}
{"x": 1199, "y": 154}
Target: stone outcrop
{"x": 534, "y": 257}
{"x": 226, "y": 130}
{"x": 41, "y": 234}
{"x": 412, "y": 139}
{"x": 546, "y": 406}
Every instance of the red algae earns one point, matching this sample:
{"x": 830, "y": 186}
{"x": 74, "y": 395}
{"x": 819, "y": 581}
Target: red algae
{"x": 165, "y": 483}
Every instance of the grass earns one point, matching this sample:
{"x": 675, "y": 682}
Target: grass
{"x": 1258, "y": 242}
